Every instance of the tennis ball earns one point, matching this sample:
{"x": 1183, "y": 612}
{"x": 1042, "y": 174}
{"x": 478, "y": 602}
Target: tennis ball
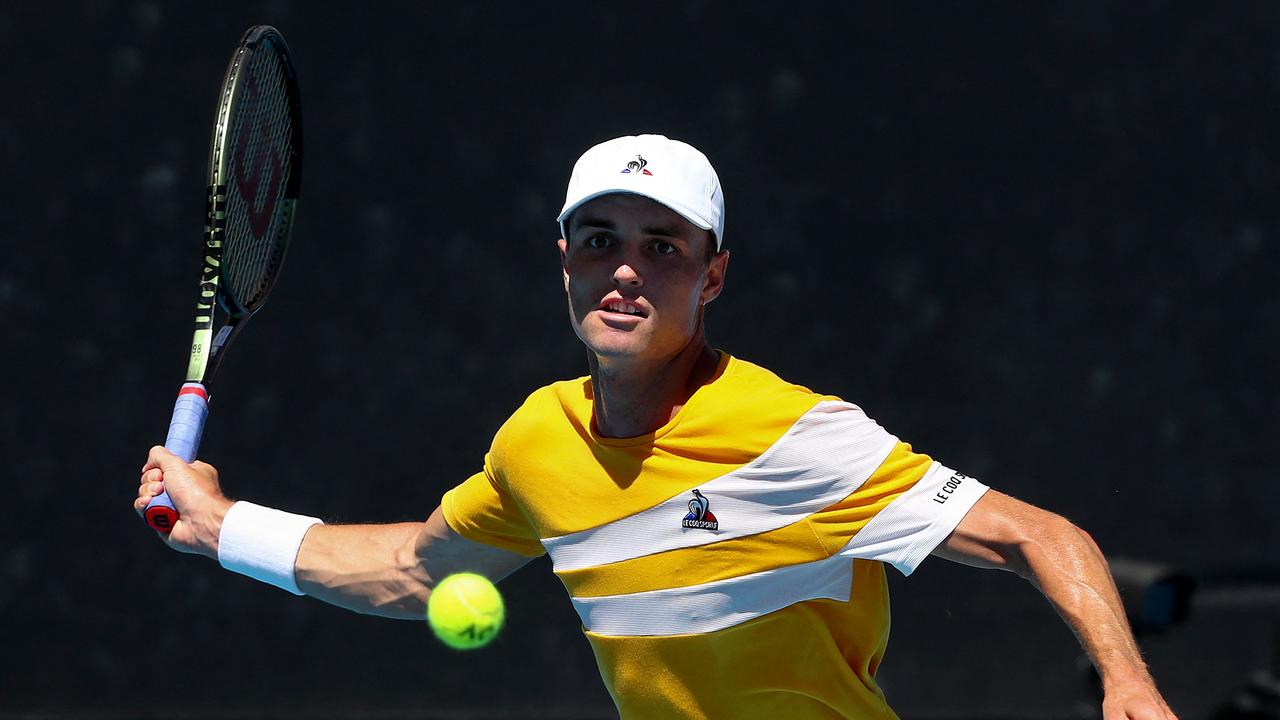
{"x": 465, "y": 610}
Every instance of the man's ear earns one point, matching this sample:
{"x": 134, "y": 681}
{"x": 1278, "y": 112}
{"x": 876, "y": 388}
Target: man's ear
{"x": 715, "y": 276}
{"x": 564, "y": 261}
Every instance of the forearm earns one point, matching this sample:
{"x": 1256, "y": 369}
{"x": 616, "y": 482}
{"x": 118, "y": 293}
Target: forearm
{"x": 371, "y": 569}
{"x": 386, "y": 570}
{"x": 1065, "y": 564}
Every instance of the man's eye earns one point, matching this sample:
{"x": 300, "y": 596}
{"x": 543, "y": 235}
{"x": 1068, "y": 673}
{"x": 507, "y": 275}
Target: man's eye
{"x": 664, "y": 248}
{"x": 597, "y": 241}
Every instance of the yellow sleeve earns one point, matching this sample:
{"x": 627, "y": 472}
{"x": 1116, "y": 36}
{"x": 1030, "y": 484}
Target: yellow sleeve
{"x": 481, "y": 510}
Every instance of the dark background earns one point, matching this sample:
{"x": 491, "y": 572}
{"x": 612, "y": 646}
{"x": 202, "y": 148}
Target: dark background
{"x": 1037, "y": 241}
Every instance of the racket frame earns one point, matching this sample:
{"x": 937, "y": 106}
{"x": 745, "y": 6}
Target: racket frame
{"x": 215, "y": 306}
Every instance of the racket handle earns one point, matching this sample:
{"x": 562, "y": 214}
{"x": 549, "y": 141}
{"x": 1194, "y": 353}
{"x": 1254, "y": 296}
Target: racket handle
{"x": 185, "y": 429}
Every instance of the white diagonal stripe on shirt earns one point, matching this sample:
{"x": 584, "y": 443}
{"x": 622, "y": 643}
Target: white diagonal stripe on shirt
{"x": 827, "y": 454}
{"x": 904, "y": 533}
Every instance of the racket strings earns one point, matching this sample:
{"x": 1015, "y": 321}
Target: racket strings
{"x": 261, "y": 147}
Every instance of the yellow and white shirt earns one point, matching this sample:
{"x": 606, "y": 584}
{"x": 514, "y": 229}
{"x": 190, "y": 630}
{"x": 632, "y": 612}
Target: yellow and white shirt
{"x": 729, "y": 564}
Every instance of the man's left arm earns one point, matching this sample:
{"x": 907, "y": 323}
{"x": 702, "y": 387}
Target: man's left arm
{"x": 1065, "y": 564}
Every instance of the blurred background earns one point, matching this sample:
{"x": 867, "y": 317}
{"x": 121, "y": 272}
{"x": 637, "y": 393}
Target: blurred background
{"x": 1038, "y": 241}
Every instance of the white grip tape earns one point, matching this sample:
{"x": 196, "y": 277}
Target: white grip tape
{"x": 262, "y": 543}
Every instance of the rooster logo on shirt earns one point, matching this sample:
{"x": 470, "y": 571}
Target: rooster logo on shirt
{"x": 700, "y": 516}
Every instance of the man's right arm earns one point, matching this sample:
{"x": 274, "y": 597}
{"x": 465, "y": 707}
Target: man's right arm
{"x": 385, "y": 570}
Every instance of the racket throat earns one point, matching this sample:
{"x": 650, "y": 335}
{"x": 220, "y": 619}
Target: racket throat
{"x": 205, "y": 365}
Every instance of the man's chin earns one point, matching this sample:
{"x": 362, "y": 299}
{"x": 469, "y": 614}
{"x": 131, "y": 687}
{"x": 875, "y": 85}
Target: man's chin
{"x": 615, "y": 350}
{"x": 616, "y": 345}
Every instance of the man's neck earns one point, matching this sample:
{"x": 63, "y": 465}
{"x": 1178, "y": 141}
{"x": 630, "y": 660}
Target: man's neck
{"x": 636, "y": 398}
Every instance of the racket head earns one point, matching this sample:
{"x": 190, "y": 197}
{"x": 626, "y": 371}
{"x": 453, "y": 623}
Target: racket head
{"x": 255, "y": 173}
{"x": 255, "y": 165}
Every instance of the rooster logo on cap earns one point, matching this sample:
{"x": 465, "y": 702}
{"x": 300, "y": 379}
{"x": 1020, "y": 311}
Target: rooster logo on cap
{"x": 636, "y": 166}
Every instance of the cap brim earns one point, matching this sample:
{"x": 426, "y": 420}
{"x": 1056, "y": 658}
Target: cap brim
{"x": 675, "y": 207}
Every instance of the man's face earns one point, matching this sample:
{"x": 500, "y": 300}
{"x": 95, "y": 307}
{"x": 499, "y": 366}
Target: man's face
{"x": 637, "y": 276}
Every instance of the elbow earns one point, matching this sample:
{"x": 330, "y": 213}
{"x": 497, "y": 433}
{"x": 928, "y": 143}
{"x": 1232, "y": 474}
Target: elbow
{"x": 414, "y": 586}
{"x": 400, "y": 591}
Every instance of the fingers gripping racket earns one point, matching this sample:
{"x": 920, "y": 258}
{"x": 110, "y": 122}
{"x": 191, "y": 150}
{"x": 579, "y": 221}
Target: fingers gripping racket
{"x": 255, "y": 165}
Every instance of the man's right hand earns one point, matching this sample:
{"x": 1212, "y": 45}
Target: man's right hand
{"x": 195, "y": 493}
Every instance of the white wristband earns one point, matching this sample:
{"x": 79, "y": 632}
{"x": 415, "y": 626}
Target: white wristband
{"x": 263, "y": 543}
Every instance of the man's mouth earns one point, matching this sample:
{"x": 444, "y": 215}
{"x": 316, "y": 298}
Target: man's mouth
{"x": 621, "y": 307}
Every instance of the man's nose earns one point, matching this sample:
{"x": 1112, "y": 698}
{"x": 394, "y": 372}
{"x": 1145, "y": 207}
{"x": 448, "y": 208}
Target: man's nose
{"x": 625, "y": 274}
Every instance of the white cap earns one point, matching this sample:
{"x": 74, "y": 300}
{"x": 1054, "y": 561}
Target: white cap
{"x": 668, "y": 171}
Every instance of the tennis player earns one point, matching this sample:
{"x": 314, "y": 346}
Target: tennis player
{"x": 722, "y": 533}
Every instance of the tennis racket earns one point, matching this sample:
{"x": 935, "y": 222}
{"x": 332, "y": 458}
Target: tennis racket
{"x": 255, "y": 165}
